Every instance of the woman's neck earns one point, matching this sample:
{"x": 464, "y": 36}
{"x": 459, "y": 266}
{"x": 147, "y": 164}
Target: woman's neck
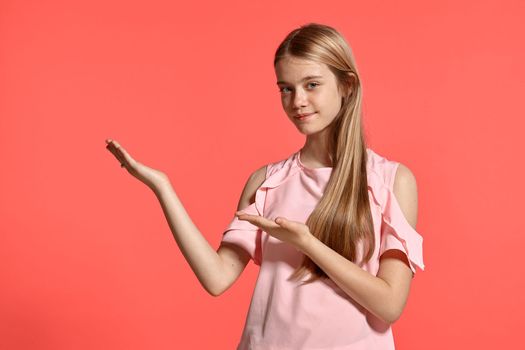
{"x": 314, "y": 153}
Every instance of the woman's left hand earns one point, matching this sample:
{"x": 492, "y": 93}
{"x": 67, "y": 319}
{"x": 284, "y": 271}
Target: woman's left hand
{"x": 293, "y": 232}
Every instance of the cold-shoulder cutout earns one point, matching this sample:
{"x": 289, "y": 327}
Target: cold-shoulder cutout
{"x": 241, "y": 232}
{"x": 396, "y": 231}
{"x": 254, "y": 182}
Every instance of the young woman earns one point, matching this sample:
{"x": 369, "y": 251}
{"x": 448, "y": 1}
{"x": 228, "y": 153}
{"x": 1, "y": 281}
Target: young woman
{"x": 334, "y": 211}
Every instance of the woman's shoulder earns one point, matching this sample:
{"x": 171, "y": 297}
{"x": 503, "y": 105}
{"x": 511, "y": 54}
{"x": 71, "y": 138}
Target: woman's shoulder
{"x": 382, "y": 166}
{"x": 268, "y": 169}
{"x": 280, "y": 164}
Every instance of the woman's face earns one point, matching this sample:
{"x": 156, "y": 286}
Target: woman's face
{"x": 310, "y": 88}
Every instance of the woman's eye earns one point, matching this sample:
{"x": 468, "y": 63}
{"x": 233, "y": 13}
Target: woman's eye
{"x": 287, "y": 90}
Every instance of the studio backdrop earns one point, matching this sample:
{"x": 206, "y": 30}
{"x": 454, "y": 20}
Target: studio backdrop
{"x": 87, "y": 259}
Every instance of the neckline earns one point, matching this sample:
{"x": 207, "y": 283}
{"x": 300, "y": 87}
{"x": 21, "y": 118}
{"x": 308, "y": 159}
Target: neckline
{"x": 370, "y": 154}
{"x": 302, "y": 166}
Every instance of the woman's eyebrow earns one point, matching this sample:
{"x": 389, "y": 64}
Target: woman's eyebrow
{"x": 308, "y": 77}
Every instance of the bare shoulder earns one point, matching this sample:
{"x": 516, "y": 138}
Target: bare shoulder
{"x": 255, "y": 180}
{"x": 258, "y": 176}
{"x": 395, "y": 267}
{"x": 405, "y": 191}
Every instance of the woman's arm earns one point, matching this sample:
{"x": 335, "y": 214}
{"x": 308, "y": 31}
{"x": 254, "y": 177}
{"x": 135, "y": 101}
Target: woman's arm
{"x": 384, "y": 295}
{"x": 202, "y": 258}
{"x": 234, "y": 257}
{"x": 215, "y": 270}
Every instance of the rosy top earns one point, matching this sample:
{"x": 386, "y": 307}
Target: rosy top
{"x": 285, "y": 315}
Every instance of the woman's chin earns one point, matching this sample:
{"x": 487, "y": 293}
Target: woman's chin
{"x": 307, "y": 130}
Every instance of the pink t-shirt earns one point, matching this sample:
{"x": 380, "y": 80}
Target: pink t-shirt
{"x": 285, "y": 315}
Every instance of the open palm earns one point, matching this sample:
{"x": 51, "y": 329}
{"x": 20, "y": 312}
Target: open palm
{"x": 149, "y": 176}
{"x": 293, "y": 232}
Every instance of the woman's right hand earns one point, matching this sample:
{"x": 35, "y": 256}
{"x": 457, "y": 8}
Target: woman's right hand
{"x": 151, "y": 177}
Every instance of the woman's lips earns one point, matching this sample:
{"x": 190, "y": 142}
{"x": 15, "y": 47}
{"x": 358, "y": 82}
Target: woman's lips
{"x": 304, "y": 116}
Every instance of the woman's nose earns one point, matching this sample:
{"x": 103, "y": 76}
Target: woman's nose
{"x": 299, "y": 99}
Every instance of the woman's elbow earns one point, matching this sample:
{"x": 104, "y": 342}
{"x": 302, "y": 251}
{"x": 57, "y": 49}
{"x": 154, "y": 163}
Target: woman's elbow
{"x": 393, "y": 314}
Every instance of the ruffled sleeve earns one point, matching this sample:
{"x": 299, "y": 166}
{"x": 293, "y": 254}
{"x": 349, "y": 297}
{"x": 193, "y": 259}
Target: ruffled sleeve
{"x": 242, "y": 232}
{"x": 396, "y": 232}
{"x": 246, "y": 235}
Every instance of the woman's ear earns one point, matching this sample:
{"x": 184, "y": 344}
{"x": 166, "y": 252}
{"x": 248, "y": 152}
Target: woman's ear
{"x": 345, "y": 91}
{"x": 346, "y": 87}
{"x": 352, "y": 82}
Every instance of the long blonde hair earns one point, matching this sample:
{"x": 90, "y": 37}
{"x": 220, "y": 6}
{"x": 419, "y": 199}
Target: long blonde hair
{"x": 342, "y": 216}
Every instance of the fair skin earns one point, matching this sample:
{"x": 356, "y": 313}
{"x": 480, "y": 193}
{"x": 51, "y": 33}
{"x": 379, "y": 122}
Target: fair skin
{"x": 319, "y": 94}
{"x": 384, "y": 295}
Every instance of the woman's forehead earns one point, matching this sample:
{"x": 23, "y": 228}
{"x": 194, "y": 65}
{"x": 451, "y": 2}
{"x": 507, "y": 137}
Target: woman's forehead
{"x": 302, "y": 63}
{"x": 292, "y": 68}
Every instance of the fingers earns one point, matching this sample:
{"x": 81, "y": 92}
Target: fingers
{"x": 257, "y": 220}
{"x": 113, "y": 143}
{"x": 117, "y": 150}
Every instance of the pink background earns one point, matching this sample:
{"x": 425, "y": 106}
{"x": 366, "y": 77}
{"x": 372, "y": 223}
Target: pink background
{"x": 87, "y": 260}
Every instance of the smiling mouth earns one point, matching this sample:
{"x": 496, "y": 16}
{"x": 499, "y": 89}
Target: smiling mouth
{"x": 304, "y": 116}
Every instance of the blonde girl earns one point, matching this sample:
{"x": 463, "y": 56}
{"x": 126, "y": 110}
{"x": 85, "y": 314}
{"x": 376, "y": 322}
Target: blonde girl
{"x": 332, "y": 225}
